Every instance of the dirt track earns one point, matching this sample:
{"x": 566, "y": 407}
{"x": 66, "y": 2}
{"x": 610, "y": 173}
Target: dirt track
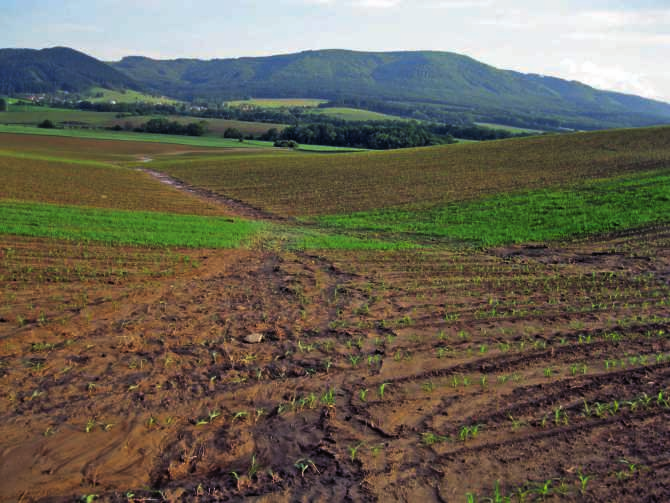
{"x": 233, "y": 206}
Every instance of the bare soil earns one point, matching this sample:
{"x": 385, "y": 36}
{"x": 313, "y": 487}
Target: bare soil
{"x": 413, "y": 376}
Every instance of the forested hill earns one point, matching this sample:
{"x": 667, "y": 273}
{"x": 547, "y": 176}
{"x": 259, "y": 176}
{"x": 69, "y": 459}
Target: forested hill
{"x": 56, "y": 69}
{"x": 437, "y": 80}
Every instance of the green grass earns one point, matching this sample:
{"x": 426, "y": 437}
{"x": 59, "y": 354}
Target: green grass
{"x": 278, "y": 102}
{"x": 532, "y": 216}
{"x": 128, "y": 96}
{"x": 195, "y": 141}
{"x": 510, "y": 129}
{"x": 325, "y": 148}
{"x": 125, "y": 227}
{"x": 355, "y": 114}
{"x": 301, "y": 239}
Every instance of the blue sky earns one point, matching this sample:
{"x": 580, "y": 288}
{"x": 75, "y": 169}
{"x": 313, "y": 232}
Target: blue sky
{"x": 622, "y": 45}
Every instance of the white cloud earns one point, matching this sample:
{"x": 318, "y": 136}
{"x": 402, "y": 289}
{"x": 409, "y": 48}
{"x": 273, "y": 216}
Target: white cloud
{"x": 511, "y": 19}
{"x": 631, "y": 38}
{"x": 616, "y": 19}
{"x": 373, "y": 4}
{"x": 377, "y": 4}
{"x": 613, "y": 78}
{"x": 462, "y": 4}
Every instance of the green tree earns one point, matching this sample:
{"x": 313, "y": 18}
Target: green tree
{"x": 233, "y": 133}
{"x": 3, "y": 105}
{"x": 46, "y": 124}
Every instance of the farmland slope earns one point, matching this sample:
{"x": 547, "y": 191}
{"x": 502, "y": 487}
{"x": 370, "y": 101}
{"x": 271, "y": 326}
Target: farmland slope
{"x": 304, "y": 185}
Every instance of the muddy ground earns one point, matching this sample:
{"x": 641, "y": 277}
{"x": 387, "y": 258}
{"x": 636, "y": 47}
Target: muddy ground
{"x": 539, "y": 372}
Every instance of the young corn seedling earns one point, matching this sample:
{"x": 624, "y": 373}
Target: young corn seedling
{"x": 211, "y": 416}
{"x": 560, "y": 416}
{"x": 375, "y": 449}
{"x": 382, "y": 390}
{"x": 544, "y": 489}
{"x": 516, "y": 423}
{"x": 241, "y": 415}
{"x": 353, "y": 450}
{"x": 253, "y": 467}
{"x": 328, "y": 398}
{"x": 304, "y": 464}
{"x": 467, "y": 432}
{"x": 430, "y": 438}
{"x": 583, "y": 480}
{"x": 632, "y": 467}
{"x": 90, "y": 424}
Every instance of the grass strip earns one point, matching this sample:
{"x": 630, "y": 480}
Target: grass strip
{"x": 125, "y": 227}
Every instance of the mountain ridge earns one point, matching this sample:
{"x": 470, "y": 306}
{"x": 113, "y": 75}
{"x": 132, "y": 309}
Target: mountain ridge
{"x": 56, "y": 68}
{"x": 431, "y": 77}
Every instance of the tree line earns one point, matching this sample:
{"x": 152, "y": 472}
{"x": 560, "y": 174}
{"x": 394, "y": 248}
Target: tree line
{"x": 372, "y": 135}
{"x": 165, "y": 126}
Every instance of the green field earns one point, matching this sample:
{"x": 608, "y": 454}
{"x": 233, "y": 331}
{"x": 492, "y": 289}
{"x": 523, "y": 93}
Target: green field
{"x": 127, "y": 96}
{"x": 355, "y": 114}
{"x": 278, "y": 102}
{"x": 509, "y": 129}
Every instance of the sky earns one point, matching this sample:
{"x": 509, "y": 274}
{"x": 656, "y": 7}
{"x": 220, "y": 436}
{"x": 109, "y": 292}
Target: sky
{"x": 620, "y": 45}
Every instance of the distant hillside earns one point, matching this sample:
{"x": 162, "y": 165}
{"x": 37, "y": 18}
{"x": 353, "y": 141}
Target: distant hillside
{"x": 434, "y": 82}
{"x": 59, "y": 68}
{"x": 439, "y": 86}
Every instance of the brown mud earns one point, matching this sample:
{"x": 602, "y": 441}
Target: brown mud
{"x": 408, "y": 376}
